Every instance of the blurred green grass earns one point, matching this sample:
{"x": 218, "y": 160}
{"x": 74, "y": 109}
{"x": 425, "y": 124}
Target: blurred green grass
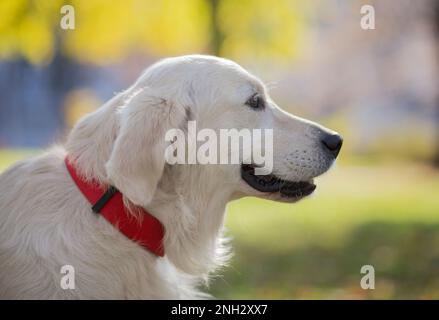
{"x": 9, "y": 156}
{"x": 385, "y": 214}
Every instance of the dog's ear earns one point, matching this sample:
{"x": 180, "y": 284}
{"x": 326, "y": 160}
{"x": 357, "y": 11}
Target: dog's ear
{"x": 137, "y": 160}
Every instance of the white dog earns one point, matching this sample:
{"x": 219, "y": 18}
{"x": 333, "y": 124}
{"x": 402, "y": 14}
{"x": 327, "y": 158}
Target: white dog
{"x": 47, "y": 222}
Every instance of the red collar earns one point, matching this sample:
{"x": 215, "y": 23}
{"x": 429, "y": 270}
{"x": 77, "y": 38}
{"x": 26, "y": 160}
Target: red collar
{"x": 148, "y": 232}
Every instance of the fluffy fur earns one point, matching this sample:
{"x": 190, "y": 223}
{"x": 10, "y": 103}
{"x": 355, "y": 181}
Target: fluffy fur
{"x": 46, "y": 223}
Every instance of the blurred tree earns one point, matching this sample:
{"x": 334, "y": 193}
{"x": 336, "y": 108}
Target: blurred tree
{"x": 26, "y": 29}
{"x": 107, "y": 32}
{"x": 261, "y": 29}
{"x": 217, "y": 37}
{"x": 113, "y": 31}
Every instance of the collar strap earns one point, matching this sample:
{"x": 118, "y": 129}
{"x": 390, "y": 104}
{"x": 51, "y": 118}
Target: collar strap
{"x": 147, "y": 231}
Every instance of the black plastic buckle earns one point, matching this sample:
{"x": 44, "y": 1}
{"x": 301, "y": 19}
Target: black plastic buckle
{"x": 97, "y": 207}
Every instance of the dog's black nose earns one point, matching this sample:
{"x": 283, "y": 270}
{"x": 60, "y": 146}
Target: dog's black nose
{"x": 332, "y": 142}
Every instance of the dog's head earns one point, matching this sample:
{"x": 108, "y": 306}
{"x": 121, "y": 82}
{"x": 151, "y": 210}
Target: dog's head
{"x": 217, "y": 95}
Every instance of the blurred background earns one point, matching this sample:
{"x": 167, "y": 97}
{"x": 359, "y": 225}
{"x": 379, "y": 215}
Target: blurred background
{"x": 380, "y": 88}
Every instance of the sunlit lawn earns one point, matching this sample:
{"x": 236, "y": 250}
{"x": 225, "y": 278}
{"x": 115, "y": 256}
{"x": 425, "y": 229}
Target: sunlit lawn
{"x": 382, "y": 215}
{"x": 385, "y": 215}
{"x": 9, "y": 156}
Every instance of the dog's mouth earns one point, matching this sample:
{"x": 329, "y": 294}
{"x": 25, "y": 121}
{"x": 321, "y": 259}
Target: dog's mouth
{"x": 273, "y": 184}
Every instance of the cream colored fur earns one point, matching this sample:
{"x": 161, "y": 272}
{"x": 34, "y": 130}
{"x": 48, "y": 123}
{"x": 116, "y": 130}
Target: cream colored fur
{"x": 46, "y": 223}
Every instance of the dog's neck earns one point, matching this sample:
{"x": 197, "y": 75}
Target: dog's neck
{"x": 191, "y": 212}
{"x": 193, "y": 215}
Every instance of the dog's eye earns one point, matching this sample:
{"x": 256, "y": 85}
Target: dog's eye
{"x": 255, "y": 102}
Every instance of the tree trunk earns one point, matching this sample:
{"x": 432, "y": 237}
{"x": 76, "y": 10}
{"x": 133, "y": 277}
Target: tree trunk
{"x": 217, "y": 37}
